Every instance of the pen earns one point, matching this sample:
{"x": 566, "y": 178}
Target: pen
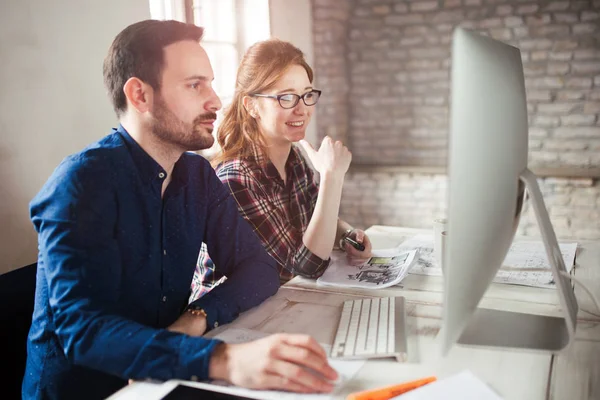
{"x": 388, "y": 392}
{"x": 354, "y": 243}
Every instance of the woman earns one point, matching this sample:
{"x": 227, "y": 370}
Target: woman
{"x": 295, "y": 217}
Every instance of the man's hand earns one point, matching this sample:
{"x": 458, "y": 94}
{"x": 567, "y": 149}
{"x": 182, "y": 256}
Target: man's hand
{"x": 295, "y": 363}
{"x": 361, "y": 237}
{"x": 189, "y": 324}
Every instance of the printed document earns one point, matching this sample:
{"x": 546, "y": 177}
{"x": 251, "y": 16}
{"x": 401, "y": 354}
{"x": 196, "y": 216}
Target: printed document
{"x": 387, "y": 267}
{"x": 345, "y": 369}
{"x": 526, "y": 262}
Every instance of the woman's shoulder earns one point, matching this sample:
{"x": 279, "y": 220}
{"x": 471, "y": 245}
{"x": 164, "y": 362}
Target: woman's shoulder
{"x": 236, "y": 169}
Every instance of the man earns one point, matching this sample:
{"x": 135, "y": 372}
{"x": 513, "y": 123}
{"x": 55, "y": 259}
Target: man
{"x": 119, "y": 227}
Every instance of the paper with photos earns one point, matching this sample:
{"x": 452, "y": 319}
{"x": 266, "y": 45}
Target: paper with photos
{"x": 526, "y": 262}
{"x": 386, "y": 267}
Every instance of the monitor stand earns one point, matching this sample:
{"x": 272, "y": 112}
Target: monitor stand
{"x": 495, "y": 328}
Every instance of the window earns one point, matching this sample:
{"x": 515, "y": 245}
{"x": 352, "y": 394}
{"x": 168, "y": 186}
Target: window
{"x": 230, "y": 27}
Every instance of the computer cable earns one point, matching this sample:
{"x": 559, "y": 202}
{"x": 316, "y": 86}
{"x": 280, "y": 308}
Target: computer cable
{"x": 585, "y": 289}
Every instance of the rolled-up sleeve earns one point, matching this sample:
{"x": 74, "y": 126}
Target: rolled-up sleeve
{"x": 239, "y": 255}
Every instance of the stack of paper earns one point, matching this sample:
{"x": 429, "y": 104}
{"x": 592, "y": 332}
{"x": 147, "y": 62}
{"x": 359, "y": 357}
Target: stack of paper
{"x": 526, "y": 262}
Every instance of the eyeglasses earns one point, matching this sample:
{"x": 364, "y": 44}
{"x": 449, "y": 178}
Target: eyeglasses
{"x": 290, "y": 100}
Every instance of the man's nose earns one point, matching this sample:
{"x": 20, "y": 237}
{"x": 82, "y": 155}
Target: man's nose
{"x": 214, "y": 103}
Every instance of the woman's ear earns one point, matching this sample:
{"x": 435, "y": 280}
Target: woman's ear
{"x": 250, "y": 106}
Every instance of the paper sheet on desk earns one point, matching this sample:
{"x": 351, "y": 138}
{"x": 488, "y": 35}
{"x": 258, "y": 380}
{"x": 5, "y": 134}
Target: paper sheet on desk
{"x": 386, "y": 267}
{"x": 462, "y": 386}
{"x": 345, "y": 369}
{"x": 526, "y": 262}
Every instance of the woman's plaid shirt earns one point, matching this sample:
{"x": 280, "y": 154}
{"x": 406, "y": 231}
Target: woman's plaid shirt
{"x": 278, "y": 211}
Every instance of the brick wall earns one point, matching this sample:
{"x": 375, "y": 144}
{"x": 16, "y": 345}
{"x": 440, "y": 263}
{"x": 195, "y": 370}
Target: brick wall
{"x": 416, "y": 199}
{"x": 384, "y": 67}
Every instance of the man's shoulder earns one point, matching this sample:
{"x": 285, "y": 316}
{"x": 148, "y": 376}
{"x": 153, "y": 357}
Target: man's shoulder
{"x": 96, "y": 160}
{"x": 198, "y": 167}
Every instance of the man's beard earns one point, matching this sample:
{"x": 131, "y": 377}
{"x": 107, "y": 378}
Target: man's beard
{"x": 172, "y": 130}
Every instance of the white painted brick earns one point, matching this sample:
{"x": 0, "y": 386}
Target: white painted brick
{"x": 583, "y": 83}
{"x": 545, "y": 121}
{"x": 545, "y": 83}
{"x": 521, "y": 32}
{"x": 574, "y": 159}
{"x": 588, "y": 234}
{"x": 505, "y": 9}
{"x": 538, "y": 133}
{"x": 527, "y": 9}
{"x": 589, "y": 16}
{"x": 424, "y": 6}
{"x": 539, "y": 55}
{"x": 578, "y": 120}
{"x": 565, "y": 145}
{"x": 557, "y": 6}
{"x": 382, "y": 9}
{"x": 542, "y": 158}
{"x": 564, "y": 17}
{"x": 558, "y": 68}
{"x": 550, "y": 30}
{"x": 577, "y": 132}
{"x": 565, "y": 44}
{"x": 586, "y": 67}
{"x": 452, "y": 3}
{"x": 590, "y": 107}
{"x": 538, "y": 19}
{"x": 401, "y": 8}
{"x": 539, "y": 95}
{"x": 569, "y": 95}
{"x": 561, "y": 55}
{"x": 557, "y": 199}
{"x": 585, "y": 28}
{"x": 556, "y": 108}
{"x": 583, "y": 200}
{"x": 586, "y": 54}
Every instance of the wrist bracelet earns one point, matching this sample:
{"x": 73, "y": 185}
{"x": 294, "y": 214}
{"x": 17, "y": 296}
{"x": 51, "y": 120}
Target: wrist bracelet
{"x": 197, "y": 312}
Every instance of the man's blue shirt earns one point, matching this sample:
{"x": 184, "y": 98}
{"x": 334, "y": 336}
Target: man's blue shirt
{"x": 115, "y": 265}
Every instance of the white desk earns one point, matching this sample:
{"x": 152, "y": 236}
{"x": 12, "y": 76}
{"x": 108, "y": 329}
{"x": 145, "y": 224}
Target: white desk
{"x": 303, "y": 307}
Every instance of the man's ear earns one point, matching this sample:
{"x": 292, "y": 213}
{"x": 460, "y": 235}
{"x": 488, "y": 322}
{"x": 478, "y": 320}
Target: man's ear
{"x": 139, "y": 94}
{"x": 250, "y": 106}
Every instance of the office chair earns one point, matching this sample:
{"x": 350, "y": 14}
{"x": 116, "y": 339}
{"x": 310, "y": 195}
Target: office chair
{"x": 17, "y": 292}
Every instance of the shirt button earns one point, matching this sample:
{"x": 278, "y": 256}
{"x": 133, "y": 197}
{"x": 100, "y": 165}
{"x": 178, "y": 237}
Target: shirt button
{"x": 165, "y": 252}
{"x": 216, "y": 324}
{"x": 161, "y": 175}
{"x": 164, "y": 299}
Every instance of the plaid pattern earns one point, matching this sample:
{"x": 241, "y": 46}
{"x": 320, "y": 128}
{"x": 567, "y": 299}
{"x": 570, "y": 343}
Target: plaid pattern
{"x": 278, "y": 211}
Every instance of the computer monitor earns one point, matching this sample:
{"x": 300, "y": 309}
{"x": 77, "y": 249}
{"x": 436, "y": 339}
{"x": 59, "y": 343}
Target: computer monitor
{"x": 488, "y": 177}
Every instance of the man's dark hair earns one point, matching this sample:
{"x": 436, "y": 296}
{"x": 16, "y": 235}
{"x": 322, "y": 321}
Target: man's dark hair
{"x": 138, "y": 52}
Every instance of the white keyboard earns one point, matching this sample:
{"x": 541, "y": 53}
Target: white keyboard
{"x": 371, "y": 328}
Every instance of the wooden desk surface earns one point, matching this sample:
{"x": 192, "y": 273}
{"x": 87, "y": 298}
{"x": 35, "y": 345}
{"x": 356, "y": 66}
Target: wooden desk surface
{"x": 301, "y": 306}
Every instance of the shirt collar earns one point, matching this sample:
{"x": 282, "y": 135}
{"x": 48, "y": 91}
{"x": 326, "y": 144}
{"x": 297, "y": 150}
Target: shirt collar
{"x": 149, "y": 169}
{"x": 269, "y": 169}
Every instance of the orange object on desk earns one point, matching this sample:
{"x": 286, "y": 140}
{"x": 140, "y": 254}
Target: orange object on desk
{"x": 388, "y": 392}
